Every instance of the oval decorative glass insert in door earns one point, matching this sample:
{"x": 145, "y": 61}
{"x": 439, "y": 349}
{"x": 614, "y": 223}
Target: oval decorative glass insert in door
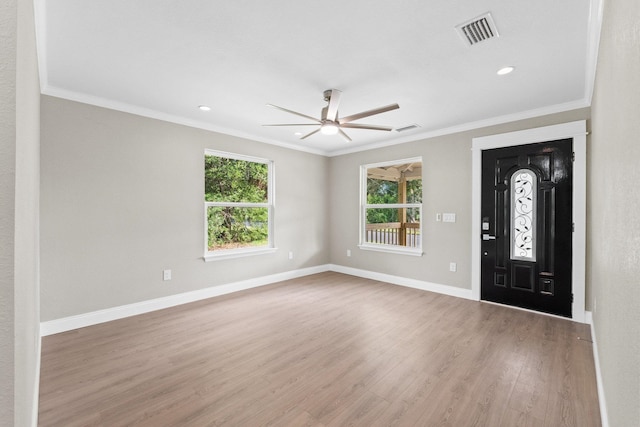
{"x": 523, "y": 207}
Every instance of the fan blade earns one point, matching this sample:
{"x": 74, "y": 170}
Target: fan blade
{"x": 344, "y": 135}
{"x": 295, "y": 124}
{"x": 370, "y": 127}
{"x": 294, "y": 112}
{"x": 368, "y": 113}
{"x": 334, "y": 101}
{"x": 309, "y": 134}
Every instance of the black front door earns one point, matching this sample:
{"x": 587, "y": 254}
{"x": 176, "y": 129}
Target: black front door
{"x": 527, "y": 226}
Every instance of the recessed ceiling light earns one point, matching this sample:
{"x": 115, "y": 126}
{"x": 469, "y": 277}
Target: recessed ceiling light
{"x": 505, "y": 70}
{"x": 204, "y": 107}
{"x": 298, "y": 133}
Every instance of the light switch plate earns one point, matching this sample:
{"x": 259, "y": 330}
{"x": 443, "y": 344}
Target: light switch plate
{"x": 166, "y": 274}
{"x": 448, "y": 217}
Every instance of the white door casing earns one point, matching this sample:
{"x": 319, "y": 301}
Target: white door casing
{"x": 577, "y": 131}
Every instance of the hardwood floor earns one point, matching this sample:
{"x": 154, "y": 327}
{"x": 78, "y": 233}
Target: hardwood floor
{"x": 323, "y": 350}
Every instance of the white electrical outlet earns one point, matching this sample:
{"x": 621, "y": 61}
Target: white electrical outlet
{"x": 166, "y": 274}
{"x": 453, "y": 266}
{"x": 348, "y": 252}
{"x": 290, "y": 254}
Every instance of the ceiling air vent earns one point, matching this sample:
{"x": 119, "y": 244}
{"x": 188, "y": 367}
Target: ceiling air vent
{"x": 406, "y": 128}
{"x": 478, "y": 29}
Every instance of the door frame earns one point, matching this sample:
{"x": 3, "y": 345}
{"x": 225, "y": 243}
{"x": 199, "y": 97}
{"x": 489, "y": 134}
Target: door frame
{"x": 578, "y": 132}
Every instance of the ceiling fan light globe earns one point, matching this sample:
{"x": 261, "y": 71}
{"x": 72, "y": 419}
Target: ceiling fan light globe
{"x": 329, "y": 129}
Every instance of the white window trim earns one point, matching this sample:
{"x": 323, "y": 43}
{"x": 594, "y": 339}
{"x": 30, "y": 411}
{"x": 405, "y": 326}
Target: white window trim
{"x": 394, "y": 249}
{"x": 270, "y": 205}
{"x": 237, "y": 253}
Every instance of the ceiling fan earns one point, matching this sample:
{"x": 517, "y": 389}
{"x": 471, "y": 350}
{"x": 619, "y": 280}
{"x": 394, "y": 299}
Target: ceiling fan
{"x": 330, "y": 123}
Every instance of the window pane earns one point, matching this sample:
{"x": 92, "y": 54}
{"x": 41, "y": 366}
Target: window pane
{"x": 414, "y": 191}
{"x": 394, "y": 183}
{"x": 231, "y": 180}
{"x": 384, "y": 227}
{"x": 234, "y": 228}
{"x": 385, "y": 183}
{"x": 523, "y": 206}
{"x": 381, "y": 192}
{"x": 382, "y": 215}
{"x": 413, "y": 215}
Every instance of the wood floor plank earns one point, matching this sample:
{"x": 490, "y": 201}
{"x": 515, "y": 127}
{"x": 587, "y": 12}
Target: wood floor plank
{"x": 513, "y": 418}
{"x": 304, "y": 419}
{"x": 323, "y": 350}
{"x": 361, "y": 412}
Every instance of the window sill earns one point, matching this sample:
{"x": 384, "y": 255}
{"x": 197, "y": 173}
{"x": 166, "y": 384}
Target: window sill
{"x": 236, "y": 253}
{"x": 392, "y": 249}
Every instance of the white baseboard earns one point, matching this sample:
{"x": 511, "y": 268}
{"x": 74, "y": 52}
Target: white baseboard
{"x": 93, "y": 318}
{"x": 596, "y": 359}
{"x": 100, "y": 316}
{"x": 403, "y": 281}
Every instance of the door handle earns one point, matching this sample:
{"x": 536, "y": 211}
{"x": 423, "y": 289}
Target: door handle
{"x": 488, "y": 237}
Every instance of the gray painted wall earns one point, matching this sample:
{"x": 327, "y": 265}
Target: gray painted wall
{"x": 614, "y": 206}
{"x": 8, "y": 58}
{"x": 122, "y": 199}
{"x": 446, "y": 188}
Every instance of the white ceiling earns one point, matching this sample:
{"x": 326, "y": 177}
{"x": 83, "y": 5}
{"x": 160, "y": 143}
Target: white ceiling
{"x": 164, "y": 58}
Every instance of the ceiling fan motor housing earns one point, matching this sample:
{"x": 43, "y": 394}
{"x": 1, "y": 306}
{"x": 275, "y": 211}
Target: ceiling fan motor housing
{"x": 330, "y": 122}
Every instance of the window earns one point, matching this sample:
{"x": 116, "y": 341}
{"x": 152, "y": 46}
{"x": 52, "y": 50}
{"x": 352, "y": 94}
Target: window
{"x": 238, "y": 205}
{"x": 523, "y": 205}
{"x": 391, "y": 206}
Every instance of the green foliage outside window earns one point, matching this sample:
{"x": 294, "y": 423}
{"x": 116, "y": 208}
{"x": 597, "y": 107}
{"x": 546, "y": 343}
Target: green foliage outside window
{"x": 230, "y": 180}
{"x": 386, "y": 192}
